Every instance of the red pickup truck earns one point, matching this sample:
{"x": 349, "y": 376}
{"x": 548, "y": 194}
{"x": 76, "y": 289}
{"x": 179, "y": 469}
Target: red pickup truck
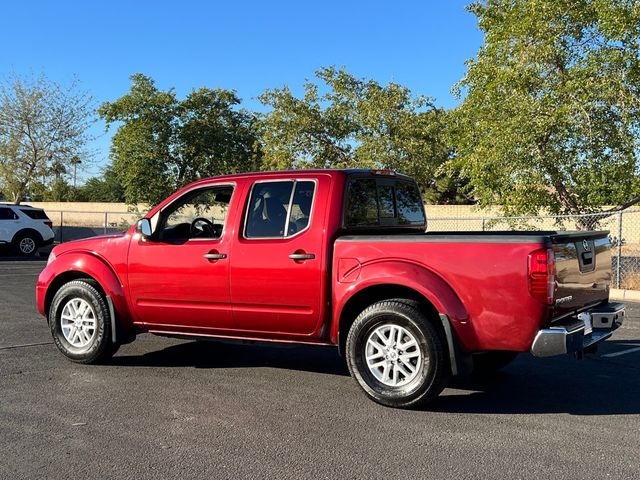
{"x": 332, "y": 257}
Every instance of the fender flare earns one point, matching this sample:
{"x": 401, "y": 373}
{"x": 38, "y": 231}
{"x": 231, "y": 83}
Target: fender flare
{"x": 411, "y": 275}
{"x": 84, "y": 263}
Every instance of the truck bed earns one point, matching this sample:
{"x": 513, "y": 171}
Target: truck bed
{"x": 490, "y": 277}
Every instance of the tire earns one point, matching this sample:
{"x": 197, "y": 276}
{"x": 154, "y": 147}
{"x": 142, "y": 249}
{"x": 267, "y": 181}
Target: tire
{"x": 489, "y": 362}
{"x": 407, "y": 378}
{"x": 26, "y": 244}
{"x": 77, "y": 306}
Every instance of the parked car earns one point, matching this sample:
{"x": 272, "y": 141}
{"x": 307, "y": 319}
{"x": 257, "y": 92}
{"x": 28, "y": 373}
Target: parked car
{"x": 24, "y": 228}
{"x": 332, "y": 257}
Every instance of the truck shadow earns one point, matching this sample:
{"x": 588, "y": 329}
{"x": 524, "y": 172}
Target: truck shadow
{"x": 211, "y": 354}
{"x": 593, "y": 386}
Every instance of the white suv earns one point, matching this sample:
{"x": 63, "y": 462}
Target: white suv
{"x": 24, "y": 228}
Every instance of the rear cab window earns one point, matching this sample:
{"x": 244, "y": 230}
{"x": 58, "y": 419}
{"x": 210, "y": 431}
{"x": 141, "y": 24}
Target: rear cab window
{"x": 372, "y": 202}
{"x": 279, "y": 209}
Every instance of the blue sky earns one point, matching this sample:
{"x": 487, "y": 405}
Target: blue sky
{"x": 248, "y": 46}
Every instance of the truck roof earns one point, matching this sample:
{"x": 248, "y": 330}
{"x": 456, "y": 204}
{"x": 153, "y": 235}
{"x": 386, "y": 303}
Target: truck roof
{"x": 312, "y": 171}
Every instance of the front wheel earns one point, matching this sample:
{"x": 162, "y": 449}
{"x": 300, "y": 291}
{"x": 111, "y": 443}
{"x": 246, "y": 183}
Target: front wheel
{"x": 397, "y": 355}
{"x": 80, "y": 322}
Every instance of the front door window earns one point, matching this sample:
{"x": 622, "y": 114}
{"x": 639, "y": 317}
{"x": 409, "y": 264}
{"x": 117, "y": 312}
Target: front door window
{"x": 200, "y": 214}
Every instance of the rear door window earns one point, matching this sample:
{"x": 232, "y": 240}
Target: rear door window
{"x": 301, "y": 205}
{"x": 279, "y": 209}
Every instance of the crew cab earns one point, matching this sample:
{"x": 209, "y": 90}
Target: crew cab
{"x": 24, "y": 228}
{"x": 332, "y": 257}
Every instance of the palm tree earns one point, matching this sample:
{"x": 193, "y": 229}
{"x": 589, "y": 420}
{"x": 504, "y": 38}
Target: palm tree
{"x": 75, "y": 161}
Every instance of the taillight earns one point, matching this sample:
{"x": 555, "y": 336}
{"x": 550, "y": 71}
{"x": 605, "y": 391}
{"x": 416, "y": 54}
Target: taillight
{"x": 542, "y": 275}
{"x": 49, "y": 224}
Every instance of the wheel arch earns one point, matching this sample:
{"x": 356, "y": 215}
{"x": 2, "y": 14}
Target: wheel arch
{"x": 62, "y": 279}
{"x": 377, "y": 293}
{"x": 414, "y": 282}
{"x": 36, "y": 234}
{"x": 78, "y": 266}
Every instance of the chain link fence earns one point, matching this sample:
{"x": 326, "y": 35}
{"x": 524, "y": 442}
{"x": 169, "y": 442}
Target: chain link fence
{"x": 623, "y": 227}
{"x": 73, "y": 225}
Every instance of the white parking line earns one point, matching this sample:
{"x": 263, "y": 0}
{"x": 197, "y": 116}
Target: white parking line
{"x": 20, "y": 275}
{"x": 623, "y": 352}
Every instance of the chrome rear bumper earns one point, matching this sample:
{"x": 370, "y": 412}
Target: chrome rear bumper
{"x": 577, "y": 333}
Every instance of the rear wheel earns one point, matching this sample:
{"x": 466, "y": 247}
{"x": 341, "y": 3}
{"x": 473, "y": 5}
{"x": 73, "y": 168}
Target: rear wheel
{"x": 26, "y": 244}
{"x": 397, "y": 355}
{"x": 80, "y": 322}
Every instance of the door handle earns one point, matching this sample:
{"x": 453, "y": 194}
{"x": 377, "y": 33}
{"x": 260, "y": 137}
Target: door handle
{"x": 215, "y": 256}
{"x": 302, "y": 256}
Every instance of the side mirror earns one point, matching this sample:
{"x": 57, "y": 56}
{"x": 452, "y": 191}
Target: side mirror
{"x": 143, "y": 227}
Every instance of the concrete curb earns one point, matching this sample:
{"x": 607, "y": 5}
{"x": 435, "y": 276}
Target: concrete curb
{"x": 619, "y": 294}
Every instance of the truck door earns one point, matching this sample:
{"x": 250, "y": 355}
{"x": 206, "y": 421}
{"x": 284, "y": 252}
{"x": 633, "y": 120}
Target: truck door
{"x": 179, "y": 277}
{"x": 278, "y": 265}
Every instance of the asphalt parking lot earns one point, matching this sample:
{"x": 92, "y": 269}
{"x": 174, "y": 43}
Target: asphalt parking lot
{"x": 166, "y": 408}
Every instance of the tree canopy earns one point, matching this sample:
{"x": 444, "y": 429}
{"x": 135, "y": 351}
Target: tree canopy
{"x": 105, "y": 188}
{"x": 163, "y": 143}
{"x": 346, "y": 122}
{"x": 550, "y": 115}
{"x": 43, "y": 129}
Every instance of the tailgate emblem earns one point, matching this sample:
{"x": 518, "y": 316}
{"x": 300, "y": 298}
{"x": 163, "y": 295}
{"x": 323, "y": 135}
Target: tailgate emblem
{"x": 586, "y": 246}
{"x": 562, "y": 300}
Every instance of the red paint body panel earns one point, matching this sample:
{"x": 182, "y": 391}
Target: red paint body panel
{"x": 482, "y": 287}
{"x": 258, "y": 292}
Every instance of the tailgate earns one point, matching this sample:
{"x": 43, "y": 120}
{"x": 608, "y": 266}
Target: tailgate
{"x": 583, "y": 269}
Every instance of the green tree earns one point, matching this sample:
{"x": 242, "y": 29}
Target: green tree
{"x": 43, "y": 126}
{"x": 214, "y": 136}
{"x": 106, "y": 188}
{"x": 60, "y": 191}
{"x": 353, "y": 123}
{"x": 551, "y": 110}
{"x": 163, "y": 143}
